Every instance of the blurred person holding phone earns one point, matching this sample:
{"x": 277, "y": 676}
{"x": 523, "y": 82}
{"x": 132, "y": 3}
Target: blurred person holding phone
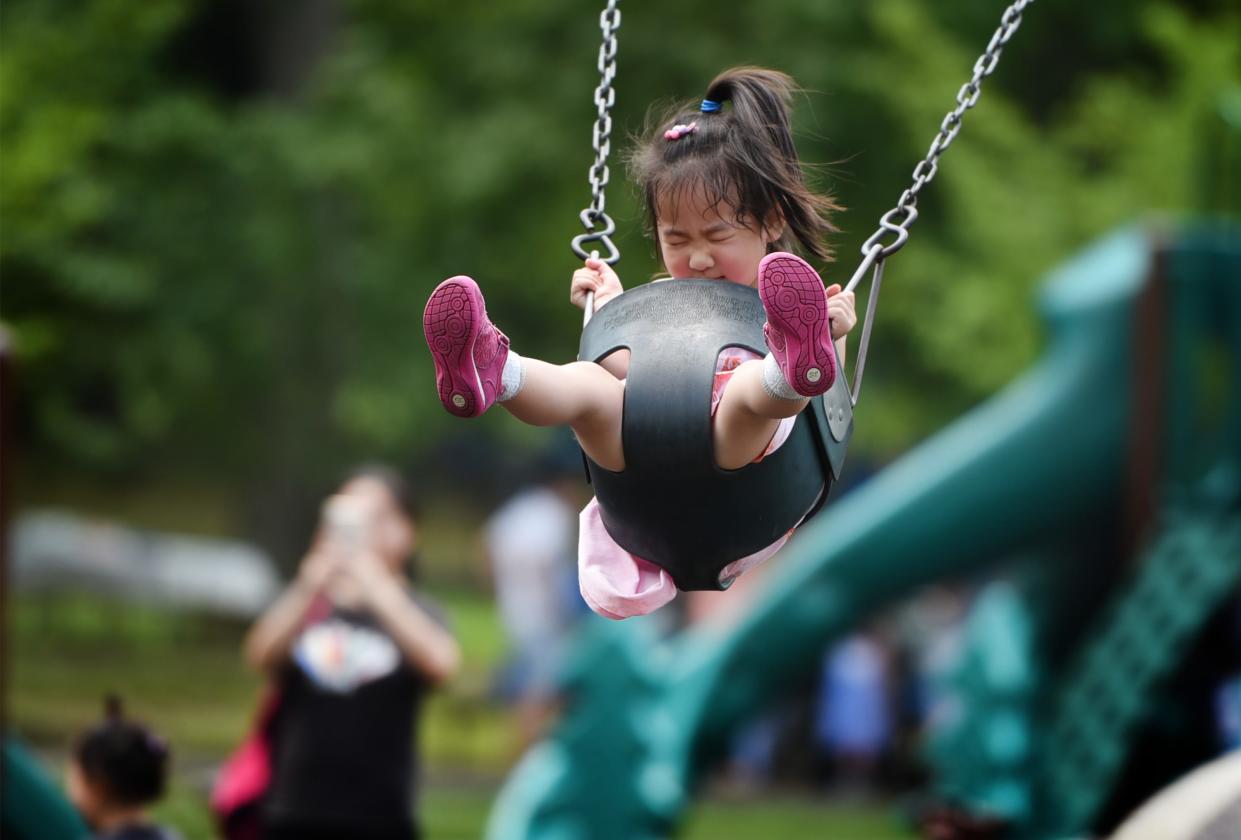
{"x": 353, "y": 650}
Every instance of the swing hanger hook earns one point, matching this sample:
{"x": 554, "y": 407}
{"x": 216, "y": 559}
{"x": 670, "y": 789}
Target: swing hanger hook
{"x": 889, "y": 224}
{"x": 591, "y": 219}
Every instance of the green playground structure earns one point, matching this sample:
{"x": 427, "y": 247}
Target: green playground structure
{"x": 1105, "y": 483}
{"x": 33, "y": 806}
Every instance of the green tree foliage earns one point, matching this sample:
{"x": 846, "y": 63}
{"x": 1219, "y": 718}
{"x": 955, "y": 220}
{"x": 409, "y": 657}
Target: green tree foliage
{"x": 227, "y": 276}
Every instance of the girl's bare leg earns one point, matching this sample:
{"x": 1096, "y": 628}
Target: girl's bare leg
{"x": 748, "y": 417}
{"x": 582, "y": 395}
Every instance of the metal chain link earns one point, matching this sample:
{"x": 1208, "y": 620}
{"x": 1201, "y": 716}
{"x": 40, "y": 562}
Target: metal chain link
{"x": 898, "y": 220}
{"x": 601, "y": 137}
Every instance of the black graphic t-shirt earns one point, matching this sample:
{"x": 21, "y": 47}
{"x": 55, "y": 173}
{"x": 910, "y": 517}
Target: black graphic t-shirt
{"x": 344, "y": 742}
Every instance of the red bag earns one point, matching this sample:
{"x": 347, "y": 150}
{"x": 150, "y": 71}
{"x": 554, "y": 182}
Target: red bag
{"x": 237, "y": 796}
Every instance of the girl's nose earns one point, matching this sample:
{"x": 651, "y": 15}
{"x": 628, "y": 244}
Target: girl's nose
{"x": 700, "y": 261}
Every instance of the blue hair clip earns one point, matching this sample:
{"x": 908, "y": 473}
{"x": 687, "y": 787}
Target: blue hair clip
{"x": 710, "y": 107}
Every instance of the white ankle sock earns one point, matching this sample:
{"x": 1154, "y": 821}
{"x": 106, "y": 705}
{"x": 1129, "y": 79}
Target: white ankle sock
{"x": 774, "y": 382}
{"x": 511, "y": 378}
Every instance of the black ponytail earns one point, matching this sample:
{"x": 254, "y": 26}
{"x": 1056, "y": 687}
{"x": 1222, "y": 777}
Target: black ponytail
{"x": 742, "y": 154}
{"x": 759, "y": 105}
{"x": 123, "y": 758}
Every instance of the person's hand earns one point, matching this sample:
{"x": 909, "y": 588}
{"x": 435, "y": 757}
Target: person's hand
{"x": 598, "y": 277}
{"x": 841, "y": 311}
{"x": 370, "y": 574}
{"x": 317, "y": 569}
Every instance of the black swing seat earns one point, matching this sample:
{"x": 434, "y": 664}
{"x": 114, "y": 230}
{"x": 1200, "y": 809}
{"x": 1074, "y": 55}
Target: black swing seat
{"x": 672, "y": 504}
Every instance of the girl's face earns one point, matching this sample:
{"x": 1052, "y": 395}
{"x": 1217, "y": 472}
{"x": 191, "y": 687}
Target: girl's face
{"x": 696, "y": 241}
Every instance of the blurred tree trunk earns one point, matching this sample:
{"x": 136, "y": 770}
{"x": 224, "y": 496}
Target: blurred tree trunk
{"x": 6, "y": 469}
{"x": 272, "y": 50}
{"x": 256, "y": 48}
{"x": 293, "y": 36}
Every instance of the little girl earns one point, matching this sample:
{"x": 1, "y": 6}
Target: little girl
{"x": 725, "y": 199}
{"x": 118, "y": 770}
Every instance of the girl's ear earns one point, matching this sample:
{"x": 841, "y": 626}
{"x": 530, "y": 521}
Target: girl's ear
{"x": 773, "y": 228}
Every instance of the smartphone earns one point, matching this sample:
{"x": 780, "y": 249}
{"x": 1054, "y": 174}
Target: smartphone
{"x": 347, "y": 523}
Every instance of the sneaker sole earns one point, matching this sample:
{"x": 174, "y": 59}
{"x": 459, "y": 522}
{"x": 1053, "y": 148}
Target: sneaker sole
{"x": 797, "y": 326}
{"x": 450, "y": 322}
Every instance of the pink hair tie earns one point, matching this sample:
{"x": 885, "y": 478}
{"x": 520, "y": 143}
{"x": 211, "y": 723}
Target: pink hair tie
{"x": 679, "y": 131}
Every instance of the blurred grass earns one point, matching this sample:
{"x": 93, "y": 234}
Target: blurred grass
{"x": 450, "y": 813}
{"x": 183, "y": 675}
{"x": 447, "y": 813}
{"x": 800, "y": 817}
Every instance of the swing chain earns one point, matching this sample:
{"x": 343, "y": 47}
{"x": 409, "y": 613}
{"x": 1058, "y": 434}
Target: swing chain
{"x": 601, "y": 138}
{"x": 900, "y": 218}
{"x": 897, "y": 221}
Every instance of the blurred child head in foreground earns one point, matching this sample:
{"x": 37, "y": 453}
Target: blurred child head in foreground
{"x": 118, "y": 769}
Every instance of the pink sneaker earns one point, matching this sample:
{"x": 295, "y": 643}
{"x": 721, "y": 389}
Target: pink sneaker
{"x": 797, "y": 329}
{"x": 468, "y": 350}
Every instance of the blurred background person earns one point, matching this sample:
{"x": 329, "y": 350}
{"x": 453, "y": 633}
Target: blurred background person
{"x": 353, "y": 650}
{"x": 853, "y": 718}
{"x": 118, "y": 770}
{"x": 531, "y": 542}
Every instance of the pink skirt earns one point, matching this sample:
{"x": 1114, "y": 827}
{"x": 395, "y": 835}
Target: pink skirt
{"x": 617, "y": 584}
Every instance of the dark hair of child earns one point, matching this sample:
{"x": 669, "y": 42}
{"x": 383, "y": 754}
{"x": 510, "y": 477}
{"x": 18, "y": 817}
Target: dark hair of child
{"x": 742, "y": 157}
{"x": 123, "y": 759}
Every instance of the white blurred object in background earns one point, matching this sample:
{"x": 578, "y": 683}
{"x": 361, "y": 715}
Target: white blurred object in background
{"x": 59, "y": 551}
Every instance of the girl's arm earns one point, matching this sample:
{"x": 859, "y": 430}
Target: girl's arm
{"x": 598, "y": 277}
{"x": 617, "y": 364}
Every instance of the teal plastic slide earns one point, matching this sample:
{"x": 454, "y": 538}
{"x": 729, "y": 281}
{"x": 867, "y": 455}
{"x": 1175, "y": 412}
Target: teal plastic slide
{"x": 648, "y": 713}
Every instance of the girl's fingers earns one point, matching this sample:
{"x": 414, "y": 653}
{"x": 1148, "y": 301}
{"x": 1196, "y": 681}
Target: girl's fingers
{"x": 833, "y": 290}
{"x": 842, "y": 304}
{"x": 842, "y": 316}
{"x": 584, "y": 282}
{"x": 604, "y": 271}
